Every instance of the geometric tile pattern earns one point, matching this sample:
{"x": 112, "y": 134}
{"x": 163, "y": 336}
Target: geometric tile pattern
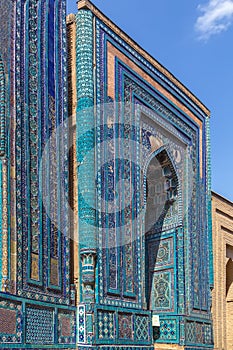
{"x": 106, "y": 325}
{"x": 168, "y": 330}
{"x": 81, "y": 326}
{"x": 190, "y": 332}
{"x": 198, "y": 333}
{"x": 141, "y": 327}
{"x": 39, "y": 326}
{"x": 133, "y": 328}
{"x": 208, "y": 334}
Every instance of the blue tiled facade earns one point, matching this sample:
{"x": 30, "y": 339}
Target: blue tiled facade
{"x": 141, "y": 140}
{"x": 164, "y": 270}
{"x": 35, "y": 294}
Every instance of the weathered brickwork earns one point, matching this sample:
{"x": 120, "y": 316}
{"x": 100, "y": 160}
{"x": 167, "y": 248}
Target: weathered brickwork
{"x": 222, "y": 295}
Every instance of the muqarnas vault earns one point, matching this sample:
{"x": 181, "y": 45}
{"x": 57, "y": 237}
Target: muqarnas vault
{"x": 137, "y": 178}
{"x": 143, "y": 189}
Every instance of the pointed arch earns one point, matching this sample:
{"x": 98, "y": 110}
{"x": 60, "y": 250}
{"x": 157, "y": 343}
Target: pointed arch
{"x": 169, "y": 173}
{"x": 229, "y": 280}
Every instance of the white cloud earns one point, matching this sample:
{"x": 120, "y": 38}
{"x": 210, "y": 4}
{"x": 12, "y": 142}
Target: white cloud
{"x": 216, "y": 17}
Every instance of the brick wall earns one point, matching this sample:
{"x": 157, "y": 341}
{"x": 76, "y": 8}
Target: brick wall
{"x": 222, "y": 304}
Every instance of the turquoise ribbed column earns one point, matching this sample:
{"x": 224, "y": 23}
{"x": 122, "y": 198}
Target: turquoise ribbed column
{"x": 85, "y": 130}
{"x": 86, "y": 154}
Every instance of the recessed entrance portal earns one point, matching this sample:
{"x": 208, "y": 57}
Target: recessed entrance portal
{"x": 161, "y": 196}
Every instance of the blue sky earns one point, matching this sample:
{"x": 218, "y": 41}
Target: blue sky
{"x": 192, "y": 39}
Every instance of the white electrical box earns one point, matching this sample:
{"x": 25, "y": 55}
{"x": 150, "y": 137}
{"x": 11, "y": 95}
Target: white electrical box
{"x": 155, "y": 321}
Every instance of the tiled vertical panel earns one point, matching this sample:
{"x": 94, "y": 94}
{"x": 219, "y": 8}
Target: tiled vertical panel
{"x": 25, "y": 38}
{"x": 81, "y": 324}
{"x": 5, "y": 229}
{"x": 106, "y": 325}
{"x": 18, "y": 76}
{"x": 1, "y": 214}
{"x": 5, "y": 20}
{"x": 3, "y": 105}
{"x": 141, "y": 326}
{"x": 180, "y": 270}
{"x": 4, "y": 237}
{"x": 209, "y": 207}
{"x": 2, "y": 151}
{"x": 119, "y": 233}
{"x": 41, "y": 105}
{"x": 54, "y": 241}
{"x": 125, "y": 326}
{"x": 5, "y": 61}
{"x": 33, "y": 140}
{"x": 162, "y": 291}
{"x": 66, "y": 327}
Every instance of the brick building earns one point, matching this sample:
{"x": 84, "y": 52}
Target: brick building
{"x": 222, "y": 303}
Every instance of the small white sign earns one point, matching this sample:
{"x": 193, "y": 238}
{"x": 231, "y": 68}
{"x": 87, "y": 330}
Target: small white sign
{"x": 155, "y": 321}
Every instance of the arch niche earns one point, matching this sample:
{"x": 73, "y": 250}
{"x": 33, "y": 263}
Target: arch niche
{"x": 161, "y": 206}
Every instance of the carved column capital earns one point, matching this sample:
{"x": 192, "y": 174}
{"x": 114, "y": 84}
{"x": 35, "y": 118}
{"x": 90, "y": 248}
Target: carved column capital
{"x": 88, "y": 259}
